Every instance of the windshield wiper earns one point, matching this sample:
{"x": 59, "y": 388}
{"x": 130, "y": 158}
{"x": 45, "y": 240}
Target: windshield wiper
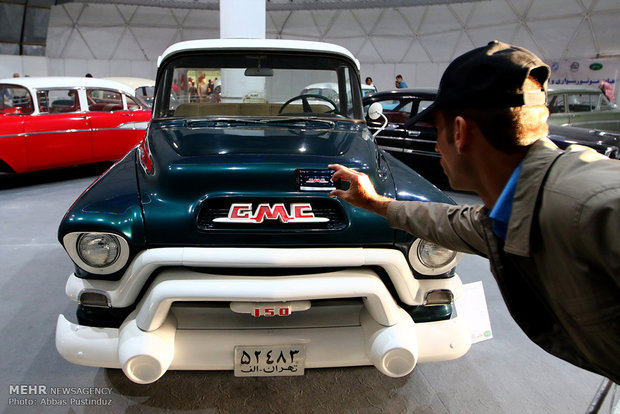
{"x": 214, "y": 122}
{"x": 297, "y": 119}
{"x": 220, "y": 121}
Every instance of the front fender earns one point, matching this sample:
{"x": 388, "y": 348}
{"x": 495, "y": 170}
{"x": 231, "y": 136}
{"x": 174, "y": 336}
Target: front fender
{"x": 110, "y": 204}
{"x": 409, "y": 185}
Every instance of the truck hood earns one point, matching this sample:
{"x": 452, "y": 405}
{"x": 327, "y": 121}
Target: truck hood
{"x": 202, "y": 172}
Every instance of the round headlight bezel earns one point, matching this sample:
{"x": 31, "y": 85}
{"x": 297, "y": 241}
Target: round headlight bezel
{"x": 71, "y": 241}
{"x": 92, "y": 247}
{"x": 421, "y": 265}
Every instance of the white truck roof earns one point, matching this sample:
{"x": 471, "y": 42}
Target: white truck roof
{"x": 259, "y": 44}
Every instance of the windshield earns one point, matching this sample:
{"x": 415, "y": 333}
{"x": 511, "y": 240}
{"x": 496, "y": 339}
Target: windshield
{"x": 259, "y": 84}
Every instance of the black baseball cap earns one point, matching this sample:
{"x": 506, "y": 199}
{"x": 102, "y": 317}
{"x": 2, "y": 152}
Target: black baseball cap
{"x": 489, "y": 77}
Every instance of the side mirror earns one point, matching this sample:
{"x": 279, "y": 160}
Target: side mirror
{"x": 375, "y": 111}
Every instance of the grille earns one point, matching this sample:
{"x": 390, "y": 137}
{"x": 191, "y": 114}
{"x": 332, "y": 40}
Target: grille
{"x": 219, "y": 208}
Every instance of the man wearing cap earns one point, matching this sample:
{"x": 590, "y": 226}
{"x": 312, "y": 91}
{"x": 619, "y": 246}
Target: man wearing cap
{"x": 550, "y": 222}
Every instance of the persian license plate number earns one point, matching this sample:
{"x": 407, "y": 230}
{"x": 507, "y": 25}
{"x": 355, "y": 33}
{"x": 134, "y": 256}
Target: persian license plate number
{"x": 269, "y": 361}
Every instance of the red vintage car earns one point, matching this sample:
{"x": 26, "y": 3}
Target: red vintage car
{"x": 50, "y": 122}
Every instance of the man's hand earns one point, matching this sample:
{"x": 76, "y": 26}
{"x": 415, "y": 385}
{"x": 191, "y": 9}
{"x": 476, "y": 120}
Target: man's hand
{"x": 361, "y": 192}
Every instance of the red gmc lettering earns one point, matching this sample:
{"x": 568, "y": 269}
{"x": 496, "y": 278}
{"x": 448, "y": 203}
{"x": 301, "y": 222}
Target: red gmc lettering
{"x": 264, "y": 211}
{"x": 242, "y": 213}
{"x": 302, "y": 211}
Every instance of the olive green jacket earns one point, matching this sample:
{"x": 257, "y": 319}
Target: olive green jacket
{"x": 559, "y": 267}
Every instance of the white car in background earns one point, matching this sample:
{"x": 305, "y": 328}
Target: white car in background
{"x": 368, "y": 89}
{"x": 144, "y": 88}
{"x": 327, "y": 89}
{"x": 330, "y": 90}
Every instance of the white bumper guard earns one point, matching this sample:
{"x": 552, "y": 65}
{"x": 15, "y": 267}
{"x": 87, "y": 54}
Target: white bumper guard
{"x": 149, "y": 342}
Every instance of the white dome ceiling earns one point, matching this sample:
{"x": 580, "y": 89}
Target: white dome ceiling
{"x": 399, "y": 37}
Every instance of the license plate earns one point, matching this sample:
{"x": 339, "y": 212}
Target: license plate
{"x": 269, "y": 361}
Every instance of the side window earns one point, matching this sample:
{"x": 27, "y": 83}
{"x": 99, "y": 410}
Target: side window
{"x": 43, "y": 101}
{"x": 423, "y": 105}
{"x": 102, "y": 100}
{"x": 145, "y": 94}
{"x": 406, "y": 107}
{"x": 56, "y": 101}
{"x": 384, "y": 104}
{"x": 397, "y": 111}
{"x": 556, "y": 104}
{"x": 132, "y": 104}
{"x": 15, "y": 100}
{"x": 582, "y": 102}
{"x": 390, "y": 105}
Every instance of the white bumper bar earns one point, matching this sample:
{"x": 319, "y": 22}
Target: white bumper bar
{"x": 149, "y": 343}
{"x": 124, "y": 292}
{"x": 187, "y": 286}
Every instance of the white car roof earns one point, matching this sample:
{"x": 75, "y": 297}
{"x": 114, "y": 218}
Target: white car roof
{"x": 334, "y": 86}
{"x": 133, "y": 82}
{"x": 43, "y": 82}
{"x": 259, "y": 44}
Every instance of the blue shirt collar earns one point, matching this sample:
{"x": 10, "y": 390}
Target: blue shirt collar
{"x": 503, "y": 207}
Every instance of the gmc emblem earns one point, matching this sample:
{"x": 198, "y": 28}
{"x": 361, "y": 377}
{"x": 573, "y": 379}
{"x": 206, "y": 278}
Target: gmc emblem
{"x": 315, "y": 180}
{"x": 243, "y": 213}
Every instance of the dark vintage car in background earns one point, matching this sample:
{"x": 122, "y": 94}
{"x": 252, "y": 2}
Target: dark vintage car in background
{"x": 50, "y": 122}
{"x": 415, "y": 144}
{"x": 582, "y": 107}
{"x": 216, "y": 245}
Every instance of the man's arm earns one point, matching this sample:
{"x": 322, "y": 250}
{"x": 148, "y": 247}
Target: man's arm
{"x": 361, "y": 193}
{"x": 455, "y": 227}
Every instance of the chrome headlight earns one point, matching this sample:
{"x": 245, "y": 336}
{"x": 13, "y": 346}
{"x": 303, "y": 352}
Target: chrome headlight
{"x": 612, "y": 152}
{"x": 431, "y": 259}
{"x": 97, "y": 252}
{"x": 98, "y": 249}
